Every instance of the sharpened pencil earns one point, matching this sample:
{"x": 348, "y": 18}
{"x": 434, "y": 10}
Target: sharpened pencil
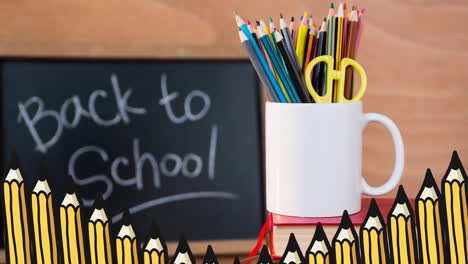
{"x": 373, "y": 233}
{"x": 319, "y": 250}
{"x": 292, "y": 253}
{"x": 345, "y": 244}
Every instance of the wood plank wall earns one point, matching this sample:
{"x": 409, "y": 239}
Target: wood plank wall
{"x": 415, "y": 54}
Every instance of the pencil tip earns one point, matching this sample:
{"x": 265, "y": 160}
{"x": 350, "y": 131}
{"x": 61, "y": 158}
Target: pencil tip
{"x": 455, "y": 162}
{"x": 43, "y": 172}
{"x": 14, "y": 161}
{"x": 374, "y": 210}
{"x": 319, "y": 234}
{"x": 332, "y": 5}
{"x": 401, "y": 197}
{"x": 281, "y": 15}
{"x": 69, "y": 187}
{"x": 271, "y": 20}
{"x": 292, "y": 19}
{"x": 210, "y": 256}
{"x": 292, "y": 246}
{"x": 98, "y": 202}
{"x": 182, "y": 248}
{"x": 234, "y": 12}
{"x": 346, "y": 220}
{"x": 236, "y": 260}
{"x": 265, "y": 257}
{"x": 258, "y": 23}
{"x": 154, "y": 230}
{"x": 429, "y": 180}
{"x": 126, "y": 218}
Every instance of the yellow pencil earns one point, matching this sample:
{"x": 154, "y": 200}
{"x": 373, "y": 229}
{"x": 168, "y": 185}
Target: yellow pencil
{"x": 265, "y": 257}
{"x": 431, "y": 244}
{"x": 292, "y": 253}
{"x": 98, "y": 231}
{"x": 16, "y": 219}
{"x": 374, "y": 237}
{"x": 454, "y": 193}
{"x": 346, "y": 243}
{"x": 319, "y": 249}
{"x": 339, "y": 44}
{"x": 301, "y": 40}
{"x": 72, "y": 230}
{"x": 43, "y": 221}
{"x": 402, "y": 235}
{"x": 210, "y": 256}
{"x": 183, "y": 254}
{"x": 155, "y": 249}
{"x": 125, "y": 243}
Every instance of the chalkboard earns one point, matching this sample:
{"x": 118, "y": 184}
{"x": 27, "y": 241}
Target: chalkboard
{"x": 174, "y": 141}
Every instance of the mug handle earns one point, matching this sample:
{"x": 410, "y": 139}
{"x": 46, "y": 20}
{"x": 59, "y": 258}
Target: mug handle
{"x": 399, "y": 155}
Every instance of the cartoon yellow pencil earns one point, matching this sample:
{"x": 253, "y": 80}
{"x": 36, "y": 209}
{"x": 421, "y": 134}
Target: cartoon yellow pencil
{"x": 71, "y": 229}
{"x": 454, "y": 194}
{"x": 183, "y": 254}
{"x": 374, "y": 236}
{"x": 16, "y": 219}
{"x": 402, "y": 235}
{"x": 292, "y": 253}
{"x": 346, "y": 243}
{"x": 236, "y": 260}
{"x": 210, "y": 256}
{"x": 431, "y": 244}
{"x": 125, "y": 243}
{"x": 265, "y": 257}
{"x": 98, "y": 231}
{"x": 43, "y": 221}
{"x": 319, "y": 249}
{"x": 155, "y": 249}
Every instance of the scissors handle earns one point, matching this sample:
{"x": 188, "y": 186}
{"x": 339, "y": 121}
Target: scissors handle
{"x": 331, "y": 75}
{"x": 327, "y": 97}
{"x": 347, "y": 62}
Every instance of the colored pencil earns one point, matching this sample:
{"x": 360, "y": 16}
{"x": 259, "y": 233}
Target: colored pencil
{"x": 43, "y": 221}
{"x": 257, "y": 66}
{"x": 279, "y": 66}
{"x": 429, "y": 217}
{"x": 292, "y": 29}
{"x": 401, "y": 231}
{"x": 338, "y": 45}
{"x": 331, "y": 31}
{"x": 351, "y": 52}
{"x": 293, "y": 70}
{"x": 287, "y": 37}
{"x": 126, "y": 243}
{"x": 98, "y": 233}
{"x": 310, "y": 44}
{"x": 319, "y": 82}
{"x": 154, "y": 248}
{"x": 319, "y": 250}
{"x": 301, "y": 40}
{"x": 16, "y": 218}
{"x": 345, "y": 244}
{"x": 456, "y": 209}
{"x": 241, "y": 24}
{"x": 373, "y": 233}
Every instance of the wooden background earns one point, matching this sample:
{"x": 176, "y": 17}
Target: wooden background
{"x": 415, "y": 54}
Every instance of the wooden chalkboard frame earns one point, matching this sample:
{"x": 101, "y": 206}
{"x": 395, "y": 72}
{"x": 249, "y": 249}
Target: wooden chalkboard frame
{"x": 226, "y": 247}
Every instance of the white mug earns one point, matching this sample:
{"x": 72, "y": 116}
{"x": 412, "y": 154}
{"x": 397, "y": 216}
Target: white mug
{"x": 313, "y": 158}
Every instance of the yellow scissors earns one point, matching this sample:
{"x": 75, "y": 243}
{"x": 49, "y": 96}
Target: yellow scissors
{"x": 332, "y": 75}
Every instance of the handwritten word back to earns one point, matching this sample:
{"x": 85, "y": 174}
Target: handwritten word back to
{"x": 176, "y": 141}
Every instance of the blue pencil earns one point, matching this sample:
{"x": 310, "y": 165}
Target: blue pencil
{"x": 279, "y": 65}
{"x": 242, "y": 26}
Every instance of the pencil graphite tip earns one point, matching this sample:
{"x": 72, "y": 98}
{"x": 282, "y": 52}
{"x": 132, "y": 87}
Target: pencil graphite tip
{"x": 43, "y": 172}
{"x": 292, "y": 19}
{"x": 235, "y": 12}
{"x": 183, "y": 246}
{"x": 265, "y": 257}
{"x": 236, "y": 260}
{"x": 126, "y": 218}
{"x": 14, "y": 161}
{"x": 401, "y": 197}
{"x": 271, "y": 20}
{"x": 258, "y": 23}
{"x": 98, "y": 202}
{"x": 346, "y": 221}
{"x": 332, "y": 5}
{"x": 429, "y": 181}
{"x": 210, "y": 256}
{"x": 319, "y": 234}
{"x": 292, "y": 246}
{"x": 281, "y": 15}
{"x": 373, "y": 209}
{"x": 154, "y": 230}
{"x": 455, "y": 162}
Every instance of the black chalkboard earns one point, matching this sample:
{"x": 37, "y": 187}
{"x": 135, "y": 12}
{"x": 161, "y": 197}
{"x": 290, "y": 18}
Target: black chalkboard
{"x": 175, "y": 141}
